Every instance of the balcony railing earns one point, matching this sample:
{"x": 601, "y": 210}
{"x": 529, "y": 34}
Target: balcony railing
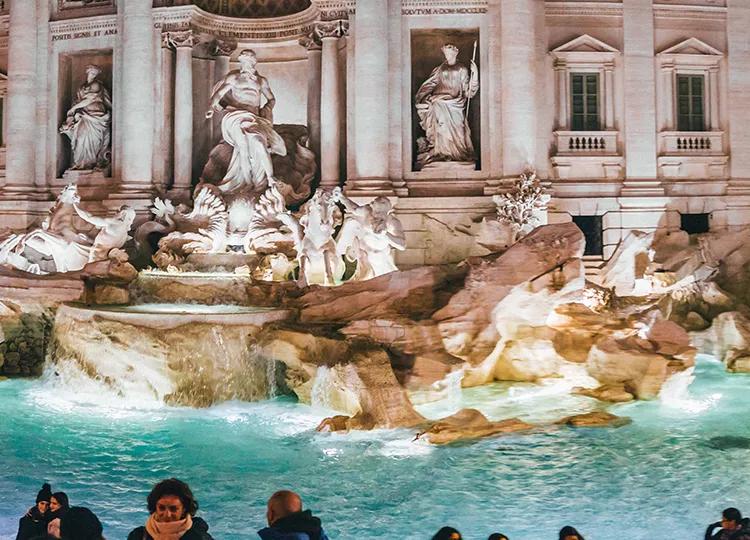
{"x": 586, "y": 142}
{"x": 691, "y": 143}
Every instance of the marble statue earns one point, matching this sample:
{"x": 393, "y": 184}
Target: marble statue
{"x": 442, "y": 106}
{"x": 88, "y": 123}
{"x": 314, "y": 233}
{"x": 57, "y": 246}
{"x": 247, "y": 126}
{"x": 369, "y": 235}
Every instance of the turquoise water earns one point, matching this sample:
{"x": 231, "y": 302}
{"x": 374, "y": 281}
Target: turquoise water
{"x": 657, "y": 478}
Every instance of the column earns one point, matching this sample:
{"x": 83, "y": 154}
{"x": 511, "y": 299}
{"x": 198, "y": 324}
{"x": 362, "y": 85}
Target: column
{"x": 371, "y": 88}
{"x": 738, "y": 97}
{"x": 609, "y": 96}
{"x": 640, "y": 90}
{"x": 561, "y": 77}
{"x": 137, "y": 122}
{"x": 183, "y": 111}
{"x": 330, "y": 102}
{"x": 517, "y": 24}
{"x": 713, "y": 96}
{"x": 667, "y": 98}
{"x": 313, "y": 91}
{"x": 167, "y": 96}
{"x": 22, "y": 91}
{"x": 222, "y": 52}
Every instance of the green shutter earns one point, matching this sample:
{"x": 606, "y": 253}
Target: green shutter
{"x": 584, "y": 102}
{"x": 690, "y": 103}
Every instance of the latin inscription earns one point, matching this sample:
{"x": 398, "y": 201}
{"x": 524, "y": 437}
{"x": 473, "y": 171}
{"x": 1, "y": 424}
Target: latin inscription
{"x": 84, "y": 34}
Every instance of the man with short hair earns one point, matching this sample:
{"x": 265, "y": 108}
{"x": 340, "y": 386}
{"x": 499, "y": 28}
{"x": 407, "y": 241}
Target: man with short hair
{"x": 287, "y": 520}
{"x": 733, "y": 527}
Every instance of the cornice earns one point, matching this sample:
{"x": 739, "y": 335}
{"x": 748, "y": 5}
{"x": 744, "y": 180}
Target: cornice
{"x": 558, "y": 8}
{"x": 690, "y": 12}
{"x": 193, "y": 18}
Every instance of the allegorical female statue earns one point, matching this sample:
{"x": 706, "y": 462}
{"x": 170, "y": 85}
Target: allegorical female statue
{"x": 442, "y": 103}
{"x": 88, "y": 123}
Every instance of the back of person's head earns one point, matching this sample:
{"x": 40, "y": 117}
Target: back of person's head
{"x": 569, "y": 533}
{"x": 447, "y": 533}
{"x": 80, "y": 523}
{"x": 62, "y": 499}
{"x": 176, "y": 488}
{"x": 497, "y": 536}
{"x": 283, "y": 503}
{"x": 732, "y": 514}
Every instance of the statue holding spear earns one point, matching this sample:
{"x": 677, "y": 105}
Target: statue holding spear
{"x": 442, "y": 103}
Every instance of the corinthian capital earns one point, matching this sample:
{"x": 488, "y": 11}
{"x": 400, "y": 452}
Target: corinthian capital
{"x": 331, "y": 29}
{"x": 310, "y": 42}
{"x": 184, "y": 38}
{"x": 222, "y": 47}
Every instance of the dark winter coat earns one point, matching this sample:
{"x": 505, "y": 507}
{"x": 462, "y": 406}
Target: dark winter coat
{"x": 743, "y": 533}
{"x": 199, "y": 531}
{"x": 297, "y": 526}
{"x": 32, "y": 525}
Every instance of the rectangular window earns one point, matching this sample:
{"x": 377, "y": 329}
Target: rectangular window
{"x": 690, "y": 109}
{"x": 694, "y": 223}
{"x": 591, "y": 227}
{"x": 584, "y": 97}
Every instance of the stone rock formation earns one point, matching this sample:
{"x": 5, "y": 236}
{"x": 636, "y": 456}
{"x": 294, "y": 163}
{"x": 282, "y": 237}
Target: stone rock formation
{"x": 595, "y": 419}
{"x": 728, "y": 339}
{"x": 470, "y": 424}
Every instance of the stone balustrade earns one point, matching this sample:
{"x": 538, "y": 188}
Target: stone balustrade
{"x": 586, "y": 142}
{"x": 691, "y": 142}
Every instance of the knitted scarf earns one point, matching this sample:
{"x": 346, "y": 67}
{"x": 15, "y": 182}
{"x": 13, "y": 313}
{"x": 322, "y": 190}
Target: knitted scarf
{"x": 172, "y": 530}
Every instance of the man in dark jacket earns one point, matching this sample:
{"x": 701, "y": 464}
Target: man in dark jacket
{"x": 287, "y": 520}
{"x": 733, "y": 527}
{"x": 172, "y": 509}
{"x": 34, "y": 523}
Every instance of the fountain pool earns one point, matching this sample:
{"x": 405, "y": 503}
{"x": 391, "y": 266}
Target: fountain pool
{"x": 666, "y": 475}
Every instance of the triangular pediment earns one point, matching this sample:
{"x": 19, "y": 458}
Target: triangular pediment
{"x": 585, "y": 43}
{"x": 693, "y": 46}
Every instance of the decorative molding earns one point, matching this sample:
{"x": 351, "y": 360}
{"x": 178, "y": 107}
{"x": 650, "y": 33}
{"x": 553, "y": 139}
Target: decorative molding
{"x": 558, "y": 8}
{"x": 83, "y": 4}
{"x": 444, "y": 7}
{"x": 289, "y": 27}
{"x": 184, "y": 38}
{"x": 331, "y": 29}
{"x": 223, "y": 47}
{"x": 695, "y": 12}
{"x": 331, "y": 10}
{"x": 585, "y": 44}
{"x": 311, "y": 42}
{"x": 692, "y": 46}
{"x": 90, "y": 27}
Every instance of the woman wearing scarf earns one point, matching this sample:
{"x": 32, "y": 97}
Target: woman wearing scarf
{"x": 58, "y": 507}
{"x": 172, "y": 509}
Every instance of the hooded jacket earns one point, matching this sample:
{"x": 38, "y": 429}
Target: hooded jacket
{"x": 199, "y": 531}
{"x": 297, "y": 526}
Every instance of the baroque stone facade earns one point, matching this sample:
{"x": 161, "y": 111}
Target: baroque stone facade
{"x": 633, "y": 113}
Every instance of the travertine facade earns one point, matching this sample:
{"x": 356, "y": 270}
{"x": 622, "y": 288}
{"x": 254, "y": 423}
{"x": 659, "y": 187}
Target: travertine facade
{"x": 634, "y": 113}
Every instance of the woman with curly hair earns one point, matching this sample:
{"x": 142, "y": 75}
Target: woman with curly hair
{"x": 172, "y": 508}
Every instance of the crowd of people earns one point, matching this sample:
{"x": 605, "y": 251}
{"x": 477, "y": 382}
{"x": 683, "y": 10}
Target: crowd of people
{"x": 172, "y": 508}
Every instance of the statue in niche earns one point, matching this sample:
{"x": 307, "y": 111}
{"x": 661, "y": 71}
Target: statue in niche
{"x": 57, "y": 246}
{"x": 369, "y": 235}
{"x": 88, "y": 123}
{"x": 247, "y": 126}
{"x": 442, "y": 106}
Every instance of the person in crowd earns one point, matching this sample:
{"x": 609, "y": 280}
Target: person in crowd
{"x": 34, "y": 523}
{"x": 80, "y": 523}
{"x": 58, "y": 507}
{"x": 497, "y": 536}
{"x": 172, "y": 508}
{"x": 287, "y": 520}
{"x": 569, "y": 533}
{"x": 447, "y": 533}
{"x": 732, "y": 526}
